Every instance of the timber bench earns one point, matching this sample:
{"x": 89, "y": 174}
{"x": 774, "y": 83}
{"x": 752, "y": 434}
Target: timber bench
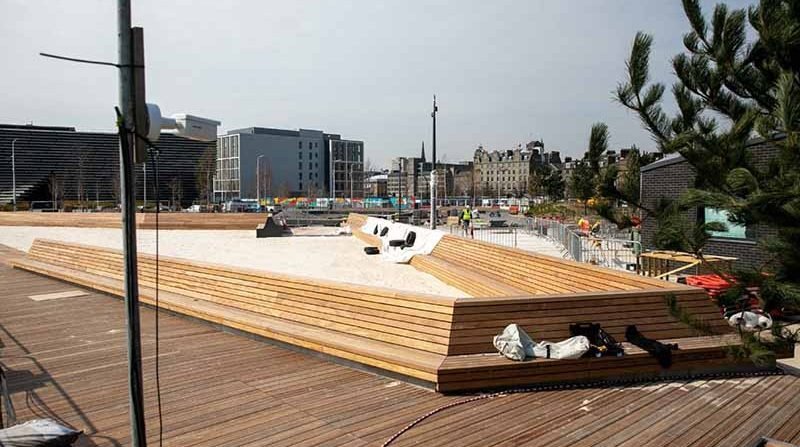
{"x": 440, "y": 342}
{"x": 399, "y": 332}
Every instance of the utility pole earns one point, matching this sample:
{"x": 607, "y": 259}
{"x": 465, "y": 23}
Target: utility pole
{"x": 127, "y": 193}
{"x": 13, "y": 174}
{"x": 400, "y": 190}
{"x": 433, "y": 182}
{"x": 258, "y": 181}
{"x": 144, "y": 173}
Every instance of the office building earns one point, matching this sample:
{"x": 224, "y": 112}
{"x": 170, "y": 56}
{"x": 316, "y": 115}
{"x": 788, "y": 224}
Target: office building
{"x": 263, "y": 162}
{"x": 83, "y": 167}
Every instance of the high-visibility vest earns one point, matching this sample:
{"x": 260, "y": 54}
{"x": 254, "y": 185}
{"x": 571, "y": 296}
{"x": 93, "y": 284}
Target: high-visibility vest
{"x": 466, "y": 214}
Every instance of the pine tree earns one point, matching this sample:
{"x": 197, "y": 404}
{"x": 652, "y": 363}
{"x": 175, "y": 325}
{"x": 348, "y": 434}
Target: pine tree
{"x": 729, "y": 90}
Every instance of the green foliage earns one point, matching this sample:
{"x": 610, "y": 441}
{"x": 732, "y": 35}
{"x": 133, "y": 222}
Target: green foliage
{"x": 547, "y": 181}
{"x": 582, "y": 185}
{"x": 551, "y": 209}
{"x": 728, "y": 89}
{"x": 754, "y": 349}
{"x": 699, "y": 325}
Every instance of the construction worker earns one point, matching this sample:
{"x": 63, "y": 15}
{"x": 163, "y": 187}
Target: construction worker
{"x": 466, "y": 218}
{"x": 583, "y": 224}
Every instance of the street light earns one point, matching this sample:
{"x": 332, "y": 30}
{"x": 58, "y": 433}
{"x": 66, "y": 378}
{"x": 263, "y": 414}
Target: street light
{"x": 433, "y": 176}
{"x": 13, "y": 175}
{"x": 258, "y": 181}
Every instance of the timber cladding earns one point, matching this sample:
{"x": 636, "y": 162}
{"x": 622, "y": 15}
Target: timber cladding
{"x": 444, "y": 342}
{"x": 146, "y": 221}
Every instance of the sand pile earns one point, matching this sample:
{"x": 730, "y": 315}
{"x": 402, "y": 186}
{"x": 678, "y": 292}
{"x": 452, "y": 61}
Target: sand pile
{"x": 332, "y": 258}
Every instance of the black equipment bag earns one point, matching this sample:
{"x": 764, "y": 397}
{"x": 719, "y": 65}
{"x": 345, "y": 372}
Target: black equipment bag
{"x": 661, "y": 351}
{"x": 601, "y": 343}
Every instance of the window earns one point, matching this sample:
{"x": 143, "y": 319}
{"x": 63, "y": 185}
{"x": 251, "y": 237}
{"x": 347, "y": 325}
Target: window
{"x": 300, "y": 176}
{"x": 299, "y": 155}
{"x": 300, "y": 166}
{"x": 316, "y": 144}
{"x": 301, "y": 185}
{"x": 299, "y": 144}
{"x": 309, "y": 145}
{"x": 309, "y": 166}
{"x": 733, "y": 230}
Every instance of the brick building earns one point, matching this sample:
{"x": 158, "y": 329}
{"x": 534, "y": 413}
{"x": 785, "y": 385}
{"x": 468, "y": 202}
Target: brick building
{"x": 671, "y": 176}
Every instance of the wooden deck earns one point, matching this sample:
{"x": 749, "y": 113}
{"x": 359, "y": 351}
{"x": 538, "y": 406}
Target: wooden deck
{"x": 439, "y": 342}
{"x": 67, "y": 361}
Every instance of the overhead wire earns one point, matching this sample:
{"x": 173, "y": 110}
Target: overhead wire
{"x": 567, "y": 386}
{"x": 154, "y": 153}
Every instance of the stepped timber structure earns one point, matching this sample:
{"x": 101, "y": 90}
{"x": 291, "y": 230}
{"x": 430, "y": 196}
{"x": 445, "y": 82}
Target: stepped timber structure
{"x": 440, "y": 342}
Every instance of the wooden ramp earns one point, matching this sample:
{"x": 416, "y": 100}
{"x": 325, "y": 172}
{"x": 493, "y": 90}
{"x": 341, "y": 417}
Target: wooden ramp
{"x": 440, "y": 342}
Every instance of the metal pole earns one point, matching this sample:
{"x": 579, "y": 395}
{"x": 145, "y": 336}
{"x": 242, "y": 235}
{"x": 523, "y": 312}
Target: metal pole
{"x": 138, "y": 436}
{"x": 433, "y": 197}
{"x": 258, "y": 181}
{"x": 13, "y": 173}
{"x": 400, "y": 191}
{"x": 144, "y": 172}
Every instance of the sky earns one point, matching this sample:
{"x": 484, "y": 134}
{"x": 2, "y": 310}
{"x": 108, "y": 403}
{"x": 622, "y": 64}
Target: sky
{"x": 504, "y": 72}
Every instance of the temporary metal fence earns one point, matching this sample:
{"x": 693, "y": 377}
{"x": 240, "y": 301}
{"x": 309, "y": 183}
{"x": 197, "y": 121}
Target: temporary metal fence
{"x": 506, "y": 236}
{"x": 591, "y": 248}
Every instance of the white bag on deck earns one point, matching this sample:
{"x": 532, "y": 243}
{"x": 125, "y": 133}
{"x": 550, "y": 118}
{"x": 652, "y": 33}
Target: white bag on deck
{"x": 750, "y": 321}
{"x": 514, "y": 343}
{"x": 571, "y": 348}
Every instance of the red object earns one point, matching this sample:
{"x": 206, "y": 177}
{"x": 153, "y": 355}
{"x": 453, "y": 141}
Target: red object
{"x": 714, "y": 285}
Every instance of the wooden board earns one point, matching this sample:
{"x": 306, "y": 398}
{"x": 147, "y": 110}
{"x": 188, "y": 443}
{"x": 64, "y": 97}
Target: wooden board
{"x": 443, "y": 341}
{"x": 218, "y": 389}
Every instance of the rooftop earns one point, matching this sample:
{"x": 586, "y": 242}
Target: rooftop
{"x": 218, "y": 388}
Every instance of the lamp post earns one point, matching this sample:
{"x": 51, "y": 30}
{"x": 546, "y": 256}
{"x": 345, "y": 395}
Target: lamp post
{"x": 258, "y": 181}
{"x": 13, "y": 174}
{"x": 433, "y": 176}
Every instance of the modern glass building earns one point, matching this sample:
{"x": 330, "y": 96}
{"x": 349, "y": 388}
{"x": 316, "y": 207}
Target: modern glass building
{"x": 257, "y": 162}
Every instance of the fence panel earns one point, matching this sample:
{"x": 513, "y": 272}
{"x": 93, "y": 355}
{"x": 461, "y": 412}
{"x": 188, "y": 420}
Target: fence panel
{"x": 609, "y": 248}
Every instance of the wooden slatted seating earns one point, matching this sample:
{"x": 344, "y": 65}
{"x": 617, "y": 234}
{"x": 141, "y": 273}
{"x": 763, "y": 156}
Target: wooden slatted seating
{"x": 547, "y": 317}
{"x": 182, "y": 221}
{"x": 442, "y": 342}
{"x": 697, "y": 355}
{"x": 400, "y": 332}
{"x": 356, "y": 222}
{"x": 534, "y": 273}
{"x": 469, "y": 281}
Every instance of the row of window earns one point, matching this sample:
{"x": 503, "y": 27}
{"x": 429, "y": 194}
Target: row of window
{"x": 315, "y": 175}
{"x": 300, "y": 144}
{"x": 310, "y": 155}
{"x": 310, "y": 166}
{"x": 300, "y": 185}
{"x": 505, "y": 179}
{"x": 228, "y": 147}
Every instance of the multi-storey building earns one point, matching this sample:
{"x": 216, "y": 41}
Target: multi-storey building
{"x": 375, "y": 185}
{"x": 263, "y": 162}
{"x": 507, "y": 173}
{"x": 78, "y": 166}
{"x": 346, "y": 158}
